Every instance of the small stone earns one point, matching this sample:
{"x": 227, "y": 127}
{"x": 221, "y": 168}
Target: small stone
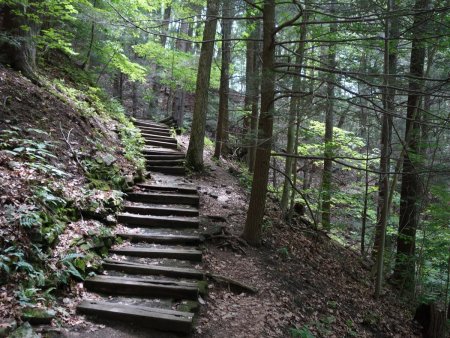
{"x": 223, "y": 185}
{"x": 111, "y": 220}
{"x": 214, "y": 195}
{"x": 228, "y": 191}
{"x": 24, "y": 331}
{"x": 13, "y": 165}
{"x": 6, "y": 326}
{"x": 38, "y": 315}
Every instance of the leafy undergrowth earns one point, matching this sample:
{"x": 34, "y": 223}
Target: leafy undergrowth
{"x": 66, "y": 155}
{"x": 309, "y": 284}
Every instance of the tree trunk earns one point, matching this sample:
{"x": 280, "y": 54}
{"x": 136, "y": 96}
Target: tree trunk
{"x": 410, "y": 195}
{"x": 386, "y": 134}
{"x": 19, "y": 51}
{"x": 194, "y": 156}
{"x": 221, "y": 148}
{"x": 165, "y": 25}
{"x": 293, "y": 108}
{"x": 328, "y": 139}
{"x": 255, "y": 213}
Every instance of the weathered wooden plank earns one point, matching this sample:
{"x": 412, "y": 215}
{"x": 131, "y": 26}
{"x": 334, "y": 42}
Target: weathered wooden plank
{"x": 167, "y": 169}
{"x": 165, "y": 157}
{"x": 164, "y": 198}
{"x": 160, "y": 139}
{"x": 158, "y": 221}
{"x": 161, "y": 151}
{"x": 161, "y": 144}
{"x": 173, "y": 253}
{"x": 161, "y": 319}
{"x": 160, "y": 211}
{"x": 150, "y": 124}
{"x": 146, "y": 269}
{"x": 184, "y": 189}
{"x": 165, "y": 163}
{"x": 161, "y": 238}
{"x": 142, "y": 287}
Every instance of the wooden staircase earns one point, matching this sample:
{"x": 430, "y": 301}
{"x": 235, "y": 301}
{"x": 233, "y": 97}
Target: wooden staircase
{"x": 146, "y": 279}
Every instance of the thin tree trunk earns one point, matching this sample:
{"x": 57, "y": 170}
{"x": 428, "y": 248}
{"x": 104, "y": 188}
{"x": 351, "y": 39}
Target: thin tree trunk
{"x": 410, "y": 195}
{"x": 328, "y": 139}
{"x": 293, "y": 108}
{"x": 255, "y": 213}
{"x": 254, "y": 119}
{"x": 194, "y": 156}
{"x": 386, "y": 132}
{"x": 221, "y": 147}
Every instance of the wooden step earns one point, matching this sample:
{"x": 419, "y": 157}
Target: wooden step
{"x": 150, "y": 124}
{"x": 147, "y": 269}
{"x": 155, "y": 131}
{"x": 160, "y": 139}
{"x": 164, "y": 198}
{"x": 184, "y": 189}
{"x": 149, "y": 252}
{"x": 161, "y": 238}
{"x": 161, "y": 211}
{"x": 157, "y": 221}
{"x": 157, "y": 152}
{"x": 154, "y": 143}
{"x": 156, "y": 318}
{"x": 165, "y": 163}
{"x": 150, "y": 132}
{"x": 142, "y": 287}
{"x": 165, "y": 157}
{"x": 167, "y": 169}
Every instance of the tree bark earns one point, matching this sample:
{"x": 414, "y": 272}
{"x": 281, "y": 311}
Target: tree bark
{"x": 255, "y": 213}
{"x": 19, "y": 51}
{"x": 221, "y": 147}
{"x": 328, "y": 139}
{"x": 194, "y": 156}
{"x": 410, "y": 194}
{"x": 293, "y": 108}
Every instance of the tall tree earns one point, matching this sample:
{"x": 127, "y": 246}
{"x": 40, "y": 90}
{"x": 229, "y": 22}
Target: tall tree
{"x": 293, "y": 108}
{"x": 194, "y": 156}
{"x": 410, "y": 186}
{"x": 221, "y": 147}
{"x": 255, "y": 213}
{"x": 328, "y": 139}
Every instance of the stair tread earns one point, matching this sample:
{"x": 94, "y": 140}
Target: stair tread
{"x": 162, "y": 319}
{"x": 152, "y": 252}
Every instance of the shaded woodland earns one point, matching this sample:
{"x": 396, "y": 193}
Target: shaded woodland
{"x": 335, "y": 112}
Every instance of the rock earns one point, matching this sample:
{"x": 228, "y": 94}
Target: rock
{"x": 38, "y": 315}
{"x": 129, "y": 180}
{"x": 111, "y": 220}
{"x": 223, "y": 185}
{"x": 13, "y": 165}
{"x": 228, "y": 191}
{"x": 6, "y": 326}
{"x": 214, "y": 195}
{"x": 106, "y": 158}
{"x": 24, "y": 331}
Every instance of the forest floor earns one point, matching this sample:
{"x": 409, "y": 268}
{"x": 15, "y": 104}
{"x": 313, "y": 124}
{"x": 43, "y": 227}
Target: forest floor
{"x": 305, "y": 280}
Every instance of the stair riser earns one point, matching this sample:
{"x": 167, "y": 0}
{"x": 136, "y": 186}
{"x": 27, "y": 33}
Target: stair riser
{"x": 158, "y": 199}
{"x": 167, "y": 170}
{"x": 160, "y": 212}
{"x": 142, "y": 290}
{"x": 153, "y": 271}
{"x": 160, "y": 139}
{"x": 161, "y": 144}
{"x": 161, "y": 239}
{"x": 164, "y": 157}
{"x": 165, "y": 163}
{"x": 196, "y": 257}
{"x": 153, "y": 223}
{"x": 179, "y": 189}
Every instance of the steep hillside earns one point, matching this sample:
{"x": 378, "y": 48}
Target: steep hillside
{"x": 66, "y": 153}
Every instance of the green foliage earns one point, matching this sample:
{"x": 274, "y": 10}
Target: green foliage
{"x": 302, "y": 332}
